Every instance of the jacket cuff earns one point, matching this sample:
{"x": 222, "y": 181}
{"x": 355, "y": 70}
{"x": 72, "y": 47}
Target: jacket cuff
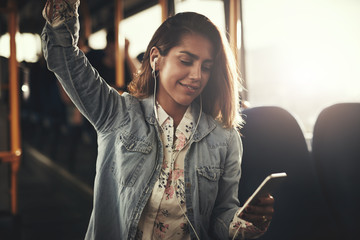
{"x": 222, "y": 223}
{"x": 64, "y": 35}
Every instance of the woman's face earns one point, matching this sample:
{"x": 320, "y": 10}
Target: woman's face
{"x": 184, "y": 71}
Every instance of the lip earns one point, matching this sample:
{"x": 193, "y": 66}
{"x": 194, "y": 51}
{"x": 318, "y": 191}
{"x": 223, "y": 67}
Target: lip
{"x": 190, "y": 88}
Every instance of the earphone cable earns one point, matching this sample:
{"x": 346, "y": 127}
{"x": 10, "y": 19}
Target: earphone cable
{"x": 237, "y": 230}
{"x": 177, "y": 153}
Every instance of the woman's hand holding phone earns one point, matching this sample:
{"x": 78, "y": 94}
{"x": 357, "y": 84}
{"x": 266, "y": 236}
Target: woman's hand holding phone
{"x": 259, "y": 208}
{"x": 259, "y": 211}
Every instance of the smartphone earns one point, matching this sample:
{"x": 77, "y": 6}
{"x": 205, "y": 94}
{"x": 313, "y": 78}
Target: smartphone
{"x": 268, "y": 186}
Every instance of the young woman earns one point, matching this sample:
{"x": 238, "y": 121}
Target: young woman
{"x": 169, "y": 155}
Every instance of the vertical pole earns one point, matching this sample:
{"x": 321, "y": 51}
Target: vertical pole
{"x": 86, "y": 23}
{"x": 119, "y": 45}
{"x": 164, "y": 9}
{"x": 236, "y": 39}
{"x": 233, "y": 15}
{"x": 14, "y": 103}
{"x": 244, "y": 93}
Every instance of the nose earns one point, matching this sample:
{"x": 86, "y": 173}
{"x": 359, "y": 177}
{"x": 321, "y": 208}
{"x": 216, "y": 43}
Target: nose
{"x": 195, "y": 72}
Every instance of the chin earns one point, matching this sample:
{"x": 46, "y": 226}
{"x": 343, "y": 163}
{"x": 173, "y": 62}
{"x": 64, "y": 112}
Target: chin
{"x": 185, "y": 101}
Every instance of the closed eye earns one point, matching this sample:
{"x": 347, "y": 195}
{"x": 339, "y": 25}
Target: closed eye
{"x": 186, "y": 62}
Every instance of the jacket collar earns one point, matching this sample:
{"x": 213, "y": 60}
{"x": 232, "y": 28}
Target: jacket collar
{"x": 206, "y": 123}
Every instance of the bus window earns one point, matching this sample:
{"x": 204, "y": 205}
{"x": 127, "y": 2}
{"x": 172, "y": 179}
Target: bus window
{"x": 139, "y": 28}
{"x": 28, "y": 46}
{"x": 302, "y": 55}
{"x": 213, "y": 9}
{"x": 97, "y": 40}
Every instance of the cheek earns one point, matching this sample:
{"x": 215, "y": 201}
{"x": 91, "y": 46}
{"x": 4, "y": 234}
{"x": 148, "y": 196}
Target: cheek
{"x": 171, "y": 76}
{"x": 206, "y": 80}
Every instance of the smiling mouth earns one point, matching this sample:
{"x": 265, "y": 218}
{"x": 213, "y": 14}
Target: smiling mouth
{"x": 190, "y": 87}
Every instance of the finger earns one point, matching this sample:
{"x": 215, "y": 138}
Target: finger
{"x": 268, "y": 200}
{"x": 256, "y": 219}
{"x": 262, "y": 222}
{"x": 259, "y": 210}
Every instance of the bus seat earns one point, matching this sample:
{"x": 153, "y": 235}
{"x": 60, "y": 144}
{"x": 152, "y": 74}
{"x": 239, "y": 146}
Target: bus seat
{"x": 273, "y": 142}
{"x": 336, "y": 152}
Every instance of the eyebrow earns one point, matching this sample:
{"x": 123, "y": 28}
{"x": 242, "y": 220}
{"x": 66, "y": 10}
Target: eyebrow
{"x": 195, "y": 56}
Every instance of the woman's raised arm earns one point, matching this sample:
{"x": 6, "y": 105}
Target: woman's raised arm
{"x": 98, "y": 102}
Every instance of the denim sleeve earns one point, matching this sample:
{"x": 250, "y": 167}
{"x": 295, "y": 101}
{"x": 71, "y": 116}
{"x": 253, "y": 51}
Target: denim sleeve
{"x": 97, "y": 101}
{"x": 227, "y": 202}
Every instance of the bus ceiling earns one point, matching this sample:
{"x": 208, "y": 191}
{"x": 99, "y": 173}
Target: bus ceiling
{"x": 101, "y": 13}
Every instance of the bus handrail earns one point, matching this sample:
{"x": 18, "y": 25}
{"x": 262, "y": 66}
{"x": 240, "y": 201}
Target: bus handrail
{"x": 13, "y": 156}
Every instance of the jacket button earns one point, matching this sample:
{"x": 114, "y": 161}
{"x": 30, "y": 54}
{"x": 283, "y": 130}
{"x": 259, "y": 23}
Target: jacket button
{"x": 188, "y": 185}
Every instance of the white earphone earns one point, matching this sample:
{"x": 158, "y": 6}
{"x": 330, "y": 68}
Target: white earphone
{"x": 154, "y": 67}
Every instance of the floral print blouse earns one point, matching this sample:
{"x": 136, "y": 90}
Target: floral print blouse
{"x": 164, "y": 215}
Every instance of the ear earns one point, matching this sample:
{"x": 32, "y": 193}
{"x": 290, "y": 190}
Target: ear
{"x": 154, "y": 58}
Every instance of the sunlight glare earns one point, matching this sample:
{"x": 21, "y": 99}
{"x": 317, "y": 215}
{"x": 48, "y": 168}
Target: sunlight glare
{"x": 28, "y": 46}
{"x": 97, "y": 40}
{"x": 213, "y": 9}
{"x": 302, "y": 55}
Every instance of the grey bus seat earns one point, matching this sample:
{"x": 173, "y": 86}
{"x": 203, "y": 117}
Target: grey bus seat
{"x": 273, "y": 142}
{"x": 336, "y": 152}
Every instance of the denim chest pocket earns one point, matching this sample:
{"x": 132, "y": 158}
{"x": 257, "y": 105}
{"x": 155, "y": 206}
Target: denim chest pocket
{"x": 208, "y": 179}
{"x": 130, "y": 156}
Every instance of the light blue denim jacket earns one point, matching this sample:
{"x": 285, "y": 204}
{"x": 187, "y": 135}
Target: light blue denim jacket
{"x": 130, "y": 152}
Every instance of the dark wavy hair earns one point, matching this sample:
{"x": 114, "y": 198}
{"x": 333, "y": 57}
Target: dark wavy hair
{"x": 220, "y": 97}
